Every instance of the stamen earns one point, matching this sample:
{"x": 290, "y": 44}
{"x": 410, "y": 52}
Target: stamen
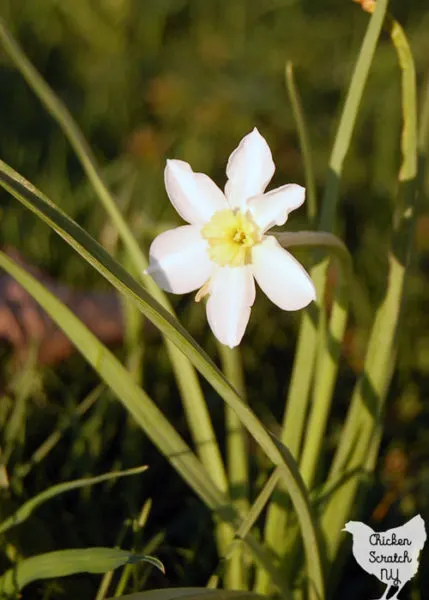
{"x": 230, "y": 236}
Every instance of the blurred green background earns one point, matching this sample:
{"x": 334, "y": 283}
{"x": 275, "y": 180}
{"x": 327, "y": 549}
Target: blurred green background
{"x": 151, "y": 79}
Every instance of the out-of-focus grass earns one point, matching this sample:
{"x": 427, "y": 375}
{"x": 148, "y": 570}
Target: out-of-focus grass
{"x": 186, "y": 78}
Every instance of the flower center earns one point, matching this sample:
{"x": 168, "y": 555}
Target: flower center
{"x": 231, "y": 235}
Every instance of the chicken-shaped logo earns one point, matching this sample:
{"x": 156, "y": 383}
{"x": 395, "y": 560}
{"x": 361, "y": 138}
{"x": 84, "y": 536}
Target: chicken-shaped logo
{"x": 392, "y": 555}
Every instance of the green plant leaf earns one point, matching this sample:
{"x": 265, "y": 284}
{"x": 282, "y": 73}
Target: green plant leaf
{"x": 69, "y": 562}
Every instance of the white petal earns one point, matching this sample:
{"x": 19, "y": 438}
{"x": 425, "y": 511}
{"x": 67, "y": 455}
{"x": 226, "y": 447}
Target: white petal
{"x": 273, "y": 208}
{"x": 280, "y": 276}
{"x": 249, "y": 170}
{"x": 228, "y": 308}
{"x": 179, "y": 262}
{"x": 194, "y": 195}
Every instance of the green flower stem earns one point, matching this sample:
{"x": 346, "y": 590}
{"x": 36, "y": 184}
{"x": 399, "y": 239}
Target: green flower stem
{"x": 237, "y": 462}
{"x": 190, "y": 390}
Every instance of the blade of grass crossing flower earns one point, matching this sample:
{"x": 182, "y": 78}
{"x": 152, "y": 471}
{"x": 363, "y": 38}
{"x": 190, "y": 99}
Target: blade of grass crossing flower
{"x": 371, "y": 389}
{"x": 145, "y": 412}
{"x": 237, "y": 463}
{"x": 97, "y": 257}
{"x": 67, "y": 562}
{"x": 190, "y": 390}
{"x": 302, "y": 372}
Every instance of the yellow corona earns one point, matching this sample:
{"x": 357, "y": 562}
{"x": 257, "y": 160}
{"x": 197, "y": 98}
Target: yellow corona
{"x": 231, "y": 236}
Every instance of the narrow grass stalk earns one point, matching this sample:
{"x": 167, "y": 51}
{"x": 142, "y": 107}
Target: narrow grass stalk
{"x": 302, "y": 372}
{"x": 423, "y": 137}
{"x": 52, "y": 440}
{"x": 250, "y": 520}
{"x": 253, "y": 515}
{"x": 22, "y": 386}
{"x": 27, "y": 509}
{"x": 190, "y": 390}
{"x": 106, "y": 580}
{"x": 237, "y": 463}
{"x": 362, "y": 434}
{"x": 259, "y": 504}
{"x": 330, "y": 340}
{"x": 304, "y": 142}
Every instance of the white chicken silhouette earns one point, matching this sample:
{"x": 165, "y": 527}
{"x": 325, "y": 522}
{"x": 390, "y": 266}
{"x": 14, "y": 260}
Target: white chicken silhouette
{"x": 392, "y": 555}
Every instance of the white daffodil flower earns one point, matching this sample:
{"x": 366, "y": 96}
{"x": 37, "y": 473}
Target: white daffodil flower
{"x": 224, "y": 248}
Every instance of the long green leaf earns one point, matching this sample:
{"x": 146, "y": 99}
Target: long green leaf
{"x": 26, "y": 510}
{"x": 68, "y": 562}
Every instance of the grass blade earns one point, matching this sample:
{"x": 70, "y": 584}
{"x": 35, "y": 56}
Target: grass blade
{"x": 310, "y": 183}
{"x": 27, "y": 509}
{"x": 68, "y": 562}
{"x": 236, "y": 461}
